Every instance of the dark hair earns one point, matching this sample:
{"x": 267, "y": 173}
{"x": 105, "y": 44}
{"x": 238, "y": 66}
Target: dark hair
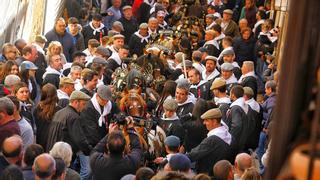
{"x": 173, "y": 148}
{"x": 24, "y": 75}
{"x": 78, "y": 54}
{"x": 15, "y": 101}
{"x": 217, "y": 28}
{"x": 200, "y": 107}
{"x": 97, "y": 17}
{"x": 144, "y": 173}
{"x": 31, "y": 152}
{"x": 12, "y": 172}
{"x": 89, "y": 76}
{"x": 27, "y": 49}
{"x": 237, "y": 91}
{"x": 60, "y": 168}
{"x": 222, "y": 89}
{"x": 262, "y": 14}
{"x": 116, "y": 143}
{"x": 48, "y": 101}
{"x": 6, "y": 69}
{"x": 196, "y": 71}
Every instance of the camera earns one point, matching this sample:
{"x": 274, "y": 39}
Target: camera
{"x": 122, "y": 120}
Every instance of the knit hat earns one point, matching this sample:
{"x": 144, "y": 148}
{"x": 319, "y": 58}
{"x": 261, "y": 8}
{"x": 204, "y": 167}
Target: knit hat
{"x": 172, "y": 141}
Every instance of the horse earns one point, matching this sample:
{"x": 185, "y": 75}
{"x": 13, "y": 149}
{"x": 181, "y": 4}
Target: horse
{"x": 152, "y": 140}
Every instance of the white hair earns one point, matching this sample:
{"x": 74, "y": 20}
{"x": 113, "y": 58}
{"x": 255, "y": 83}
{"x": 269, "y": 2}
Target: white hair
{"x": 62, "y": 150}
{"x": 75, "y": 68}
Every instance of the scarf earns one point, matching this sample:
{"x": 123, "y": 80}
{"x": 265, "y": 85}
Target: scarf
{"x": 106, "y": 109}
{"x": 214, "y": 74}
{"x": 50, "y": 70}
{"x": 95, "y": 30}
{"x": 232, "y": 79}
{"x": 149, "y": 2}
{"x": 62, "y": 95}
{"x": 246, "y": 75}
{"x": 223, "y": 100}
{"x": 254, "y": 105}
{"x": 146, "y": 38}
{"x": 240, "y": 102}
{"x": 115, "y": 56}
{"x": 222, "y": 133}
{"x": 212, "y": 42}
{"x": 257, "y": 24}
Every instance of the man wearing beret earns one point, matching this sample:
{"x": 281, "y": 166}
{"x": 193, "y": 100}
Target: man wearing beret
{"x": 215, "y": 147}
{"x": 65, "y": 125}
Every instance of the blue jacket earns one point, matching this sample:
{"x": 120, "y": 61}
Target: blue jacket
{"x": 66, "y": 40}
{"x": 267, "y": 107}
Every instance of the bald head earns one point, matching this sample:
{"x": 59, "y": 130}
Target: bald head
{"x": 243, "y": 161}
{"x": 44, "y": 166}
{"x": 12, "y": 147}
{"x": 221, "y": 169}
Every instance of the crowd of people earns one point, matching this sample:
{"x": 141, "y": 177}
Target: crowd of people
{"x": 65, "y": 115}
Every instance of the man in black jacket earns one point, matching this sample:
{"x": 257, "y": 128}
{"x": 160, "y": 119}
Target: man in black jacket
{"x": 248, "y": 78}
{"x": 184, "y": 99}
{"x": 238, "y": 120}
{"x": 215, "y": 147}
{"x": 53, "y": 71}
{"x": 94, "y": 30}
{"x": 139, "y": 40}
{"x": 108, "y": 160}
{"x": 97, "y": 115}
{"x": 200, "y": 88}
{"x": 130, "y": 25}
{"x": 66, "y": 126}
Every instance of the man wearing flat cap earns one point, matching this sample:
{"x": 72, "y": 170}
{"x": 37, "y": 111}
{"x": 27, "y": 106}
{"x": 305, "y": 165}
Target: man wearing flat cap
{"x": 66, "y": 87}
{"x": 65, "y": 125}
{"x": 215, "y": 147}
{"x": 118, "y": 42}
{"x": 139, "y": 40}
{"x": 130, "y": 24}
{"x": 229, "y": 27}
{"x": 96, "y": 116}
{"x": 211, "y": 71}
{"x": 229, "y": 56}
{"x": 228, "y": 76}
{"x": 221, "y": 99}
{"x": 170, "y": 122}
{"x": 184, "y": 99}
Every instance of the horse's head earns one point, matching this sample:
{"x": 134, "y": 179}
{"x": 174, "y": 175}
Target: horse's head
{"x": 133, "y": 104}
